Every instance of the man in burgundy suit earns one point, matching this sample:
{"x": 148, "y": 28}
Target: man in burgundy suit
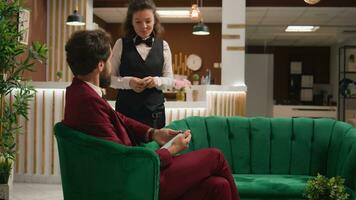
{"x": 202, "y": 174}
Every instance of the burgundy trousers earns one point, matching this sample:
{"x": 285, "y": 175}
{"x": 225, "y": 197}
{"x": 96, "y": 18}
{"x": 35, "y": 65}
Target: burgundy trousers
{"x": 198, "y": 175}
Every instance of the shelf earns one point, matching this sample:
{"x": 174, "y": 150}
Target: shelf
{"x": 348, "y": 97}
{"x": 344, "y": 72}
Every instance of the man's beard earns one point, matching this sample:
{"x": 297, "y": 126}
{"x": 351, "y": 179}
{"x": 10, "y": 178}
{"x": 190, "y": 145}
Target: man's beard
{"x": 104, "y": 78}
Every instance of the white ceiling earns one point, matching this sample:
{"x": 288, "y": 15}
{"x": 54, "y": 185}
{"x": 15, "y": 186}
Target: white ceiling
{"x": 266, "y": 25}
{"x": 117, "y": 15}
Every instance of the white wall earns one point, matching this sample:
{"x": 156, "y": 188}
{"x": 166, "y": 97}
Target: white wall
{"x": 233, "y": 50}
{"x": 259, "y": 81}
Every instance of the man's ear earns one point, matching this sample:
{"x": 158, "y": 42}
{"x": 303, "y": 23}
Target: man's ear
{"x": 101, "y": 66}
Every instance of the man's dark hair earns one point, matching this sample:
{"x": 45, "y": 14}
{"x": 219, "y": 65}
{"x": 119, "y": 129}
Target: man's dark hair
{"x": 139, "y": 5}
{"x": 85, "y": 49}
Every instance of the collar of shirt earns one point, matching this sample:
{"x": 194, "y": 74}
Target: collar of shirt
{"x": 95, "y": 88}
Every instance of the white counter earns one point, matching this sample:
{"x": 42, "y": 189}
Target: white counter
{"x": 185, "y": 104}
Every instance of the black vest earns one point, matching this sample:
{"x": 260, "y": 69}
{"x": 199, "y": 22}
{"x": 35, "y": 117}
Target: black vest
{"x": 132, "y": 64}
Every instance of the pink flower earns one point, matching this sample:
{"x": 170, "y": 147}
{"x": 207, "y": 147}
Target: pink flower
{"x": 180, "y": 84}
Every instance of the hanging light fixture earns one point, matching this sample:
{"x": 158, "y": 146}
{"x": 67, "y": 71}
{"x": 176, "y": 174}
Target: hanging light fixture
{"x": 201, "y": 28}
{"x": 75, "y": 19}
{"x": 311, "y": 2}
{"x": 195, "y": 12}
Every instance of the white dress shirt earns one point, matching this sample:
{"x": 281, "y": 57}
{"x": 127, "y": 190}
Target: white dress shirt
{"x": 163, "y": 82}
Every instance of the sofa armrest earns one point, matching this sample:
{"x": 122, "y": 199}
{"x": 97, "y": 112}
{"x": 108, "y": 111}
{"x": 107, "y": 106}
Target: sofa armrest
{"x": 345, "y": 166}
{"x": 93, "y": 168}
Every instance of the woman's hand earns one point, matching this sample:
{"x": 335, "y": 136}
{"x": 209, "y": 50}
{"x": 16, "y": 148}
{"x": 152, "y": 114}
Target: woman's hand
{"x": 180, "y": 143}
{"x": 137, "y": 84}
{"x": 150, "y": 82}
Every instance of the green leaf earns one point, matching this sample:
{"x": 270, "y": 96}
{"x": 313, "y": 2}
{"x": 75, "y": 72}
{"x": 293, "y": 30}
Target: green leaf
{"x": 322, "y": 188}
{"x": 11, "y": 50}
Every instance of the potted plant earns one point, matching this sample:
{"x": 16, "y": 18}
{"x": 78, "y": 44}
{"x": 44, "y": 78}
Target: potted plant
{"x": 322, "y": 188}
{"x": 196, "y": 79}
{"x": 15, "y": 59}
{"x": 59, "y": 75}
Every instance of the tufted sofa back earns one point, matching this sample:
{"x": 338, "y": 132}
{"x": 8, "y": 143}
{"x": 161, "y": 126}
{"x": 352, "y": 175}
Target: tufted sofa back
{"x": 297, "y": 146}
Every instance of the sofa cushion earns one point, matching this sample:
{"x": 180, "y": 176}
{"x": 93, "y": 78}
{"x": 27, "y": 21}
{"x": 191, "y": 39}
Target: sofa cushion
{"x": 269, "y": 186}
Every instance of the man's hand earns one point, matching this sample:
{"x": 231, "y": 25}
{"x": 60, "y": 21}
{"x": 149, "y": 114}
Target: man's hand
{"x": 150, "y": 82}
{"x": 180, "y": 143}
{"x": 137, "y": 84}
{"x": 163, "y": 135}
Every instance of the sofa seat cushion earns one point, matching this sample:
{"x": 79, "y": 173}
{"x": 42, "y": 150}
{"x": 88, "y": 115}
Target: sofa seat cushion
{"x": 269, "y": 186}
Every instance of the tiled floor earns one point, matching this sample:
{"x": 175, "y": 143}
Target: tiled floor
{"x": 30, "y": 191}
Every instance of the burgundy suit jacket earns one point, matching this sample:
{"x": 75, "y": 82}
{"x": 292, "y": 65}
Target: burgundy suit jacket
{"x": 87, "y": 112}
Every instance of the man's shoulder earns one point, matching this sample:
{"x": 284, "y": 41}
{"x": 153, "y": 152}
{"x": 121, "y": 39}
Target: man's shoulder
{"x": 76, "y": 89}
{"x": 82, "y": 93}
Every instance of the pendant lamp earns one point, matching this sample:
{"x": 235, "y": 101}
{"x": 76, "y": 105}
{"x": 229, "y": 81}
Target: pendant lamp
{"x": 75, "y": 19}
{"x": 311, "y": 2}
{"x": 195, "y": 13}
{"x": 201, "y": 28}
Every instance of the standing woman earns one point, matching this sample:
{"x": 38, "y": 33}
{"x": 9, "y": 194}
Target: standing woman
{"x": 142, "y": 66}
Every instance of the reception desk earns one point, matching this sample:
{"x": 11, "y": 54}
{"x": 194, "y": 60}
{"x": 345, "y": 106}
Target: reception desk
{"x": 37, "y": 156}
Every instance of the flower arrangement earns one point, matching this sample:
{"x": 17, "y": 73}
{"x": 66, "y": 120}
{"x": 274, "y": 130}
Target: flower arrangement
{"x": 322, "y": 188}
{"x": 181, "y": 84}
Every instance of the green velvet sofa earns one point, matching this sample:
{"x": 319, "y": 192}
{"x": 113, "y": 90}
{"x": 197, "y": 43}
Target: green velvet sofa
{"x": 96, "y": 169}
{"x": 271, "y": 158}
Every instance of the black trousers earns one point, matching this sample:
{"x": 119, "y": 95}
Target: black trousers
{"x": 155, "y": 119}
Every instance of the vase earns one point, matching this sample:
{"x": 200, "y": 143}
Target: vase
{"x": 4, "y": 192}
{"x": 180, "y": 95}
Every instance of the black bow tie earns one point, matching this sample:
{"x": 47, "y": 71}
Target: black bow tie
{"x": 148, "y": 41}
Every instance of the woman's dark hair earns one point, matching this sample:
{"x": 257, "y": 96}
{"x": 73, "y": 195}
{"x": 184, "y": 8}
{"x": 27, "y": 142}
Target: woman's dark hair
{"x": 85, "y": 49}
{"x": 138, "y": 5}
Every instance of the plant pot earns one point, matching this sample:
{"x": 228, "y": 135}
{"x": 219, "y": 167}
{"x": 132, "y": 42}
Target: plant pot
{"x": 4, "y": 177}
{"x": 4, "y": 192}
{"x": 195, "y": 82}
{"x": 6, "y": 167}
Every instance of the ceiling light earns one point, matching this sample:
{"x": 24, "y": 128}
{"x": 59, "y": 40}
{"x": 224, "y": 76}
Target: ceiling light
{"x": 195, "y": 13}
{"x": 174, "y": 13}
{"x": 201, "y": 29}
{"x": 311, "y": 2}
{"x": 75, "y": 19}
{"x": 302, "y": 28}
